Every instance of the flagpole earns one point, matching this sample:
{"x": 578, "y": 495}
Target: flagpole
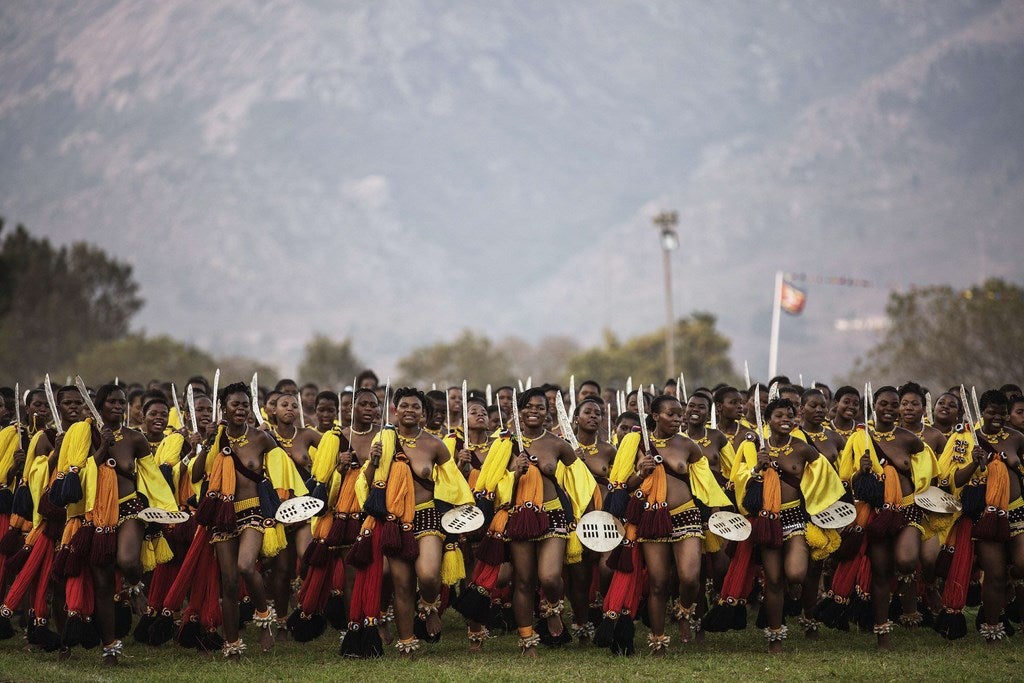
{"x": 773, "y": 349}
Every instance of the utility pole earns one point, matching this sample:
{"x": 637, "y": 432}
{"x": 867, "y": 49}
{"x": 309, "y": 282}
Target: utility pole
{"x": 666, "y": 222}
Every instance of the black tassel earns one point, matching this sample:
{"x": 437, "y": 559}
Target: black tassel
{"x": 352, "y": 643}
{"x": 141, "y": 632}
{"x": 753, "y": 497}
{"x": 372, "y": 645}
{"x": 74, "y": 631}
{"x": 22, "y": 503}
{"x": 870, "y": 489}
{"x": 188, "y": 634}
{"x": 122, "y": 619}
{"x": 269, "y": 500}
{"x": 625, "y": 635}
{"x": 72, "y": 489}
{"x": 604, "y": 636}
{"x": 306, "y": 627}
{"x": 725, "y": 617}
{"x": 951, "y": 625}
{"x": 972, "y": 500}
{"x": 161, "y": 630}
{"x": 41, "y": 636}
{"x": 91, "y": 636}
{"x": 486, "y": 506}
{"x": 474, "y": 604}
{"x": 334, "y": 611}
{"x": 833, "y": 614}
{"x": 616, "y": 503}
{"x": 377, "y": 504}
{"x": 6, "y": 501}
{"x": 318, "y": 491}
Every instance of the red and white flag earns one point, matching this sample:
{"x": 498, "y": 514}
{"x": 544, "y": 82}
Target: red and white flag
{"x": 792, "y": 300}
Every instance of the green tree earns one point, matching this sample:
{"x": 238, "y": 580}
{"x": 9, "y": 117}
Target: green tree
{"x": 329, "y": 364}
{"x": 701, "y": 351}
{"x": 472, "y": 357}
{"x": 58, "y": 302}
{"x": 136, "y": 358}
{"x": 941, "y": 337}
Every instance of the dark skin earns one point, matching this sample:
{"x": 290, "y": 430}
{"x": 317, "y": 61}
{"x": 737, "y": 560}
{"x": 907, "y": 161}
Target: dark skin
{"x": 995, "y": 558}
{"x": 366, "y": 411}
{"x": 789, "y": 563}
{"x": 423, "y": 455}
{"x": 296, "y": 442}
{"x": 588, "y": 422}
{"x": 677, "y": 454}
{"x": 237, "y": 557}
{"x": 946, "y": 413}
{"x": 901, "y": 555}
{"x": 912, "y": 419}
{"x": 69, "y": 407}
{"x": 846, "y": 413}
{"x": 131, "y": 446}
{"x": 325, "y": 413}
{"x": 539, "y": 563}
{"x": 301, "y": 438}
{"x": 729, "y": 412}
{"x": 826, "y": 441}
{"x": 478, "y": 436}
{"x": 698, "y": 412}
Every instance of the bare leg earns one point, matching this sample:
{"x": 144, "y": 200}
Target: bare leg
{"x": 907, "y": 554}
{"x": 774, "y": 597}
{"x": 227, "y": 560}
{"x": 129, "y": 560}
{"x": 580, "y": 576}
{"x": 659, "y": 575}
{"x": 403, "y": 577}
{"x": 687, "y": 555}
{"x": 428, "y": 573}
{"x": 881, "y": 555}
{"x": 249, "y": 545}
{"x": 524, "y": 580}
{"x": 550, "y": 560}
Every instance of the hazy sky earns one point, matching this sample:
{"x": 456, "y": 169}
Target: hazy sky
{"x": 399, "y": 171}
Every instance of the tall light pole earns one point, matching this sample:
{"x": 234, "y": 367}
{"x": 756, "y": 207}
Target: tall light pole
{"x": 666, "y": 222}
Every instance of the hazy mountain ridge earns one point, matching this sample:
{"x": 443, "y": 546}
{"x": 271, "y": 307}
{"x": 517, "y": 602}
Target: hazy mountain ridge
{"x": 308, "y": 134}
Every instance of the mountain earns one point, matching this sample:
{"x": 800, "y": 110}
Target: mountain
{"x": 398, "y": 171}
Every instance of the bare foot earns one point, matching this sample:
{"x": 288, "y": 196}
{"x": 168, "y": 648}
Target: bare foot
{"x": 476, "y": 647}
{"x": 530, "y": 652}
{"x": 812, "y": 634}
{"x": 110, "y": 660}
{"x": 884, "y": 642}
{"x": 555, "y": 625}
{"x": 659, "y": 653}
{"x": 775, "y": 647}
{"x": 433, "y": 623}
{"x": 385, "y": 634}
{"x": 684, "y": 630}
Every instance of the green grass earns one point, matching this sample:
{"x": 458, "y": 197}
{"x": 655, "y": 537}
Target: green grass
{"x": 919, "y": 655}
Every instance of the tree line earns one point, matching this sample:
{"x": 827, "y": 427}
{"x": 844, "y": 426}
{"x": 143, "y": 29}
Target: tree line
{"x": 68, "y": 310}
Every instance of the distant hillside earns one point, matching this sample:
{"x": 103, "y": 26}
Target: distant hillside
{"x": 397, "y": 171}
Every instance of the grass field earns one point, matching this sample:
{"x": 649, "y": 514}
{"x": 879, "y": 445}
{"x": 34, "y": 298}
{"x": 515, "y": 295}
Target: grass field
{"x": 919, "y": 655}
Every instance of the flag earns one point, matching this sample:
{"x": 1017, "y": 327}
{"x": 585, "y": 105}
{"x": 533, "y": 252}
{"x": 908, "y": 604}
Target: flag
{"x": 792, "y": 299}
